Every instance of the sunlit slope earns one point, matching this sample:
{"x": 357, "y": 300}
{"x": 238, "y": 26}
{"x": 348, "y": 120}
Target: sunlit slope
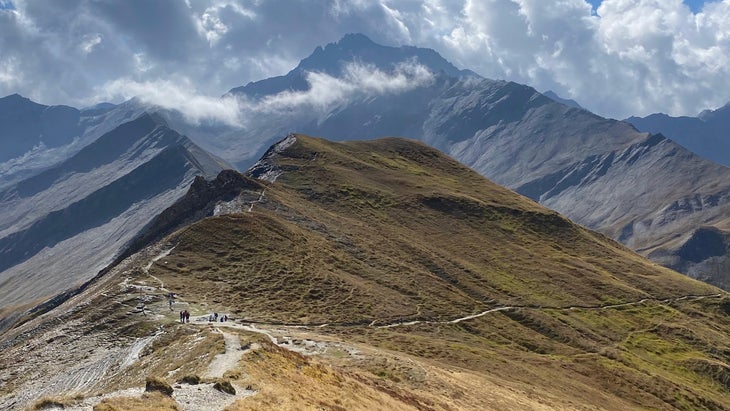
{"x": 374, "y": 231}
{"x": 407, "y": 280}
{"x": 391, "y": 244}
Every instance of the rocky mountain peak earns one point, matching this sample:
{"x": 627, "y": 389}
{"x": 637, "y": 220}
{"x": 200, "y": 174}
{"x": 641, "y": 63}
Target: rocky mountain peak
{"x": 266, "y": 168}
{"x": 359, "y": 48}
{"x": 352, "y": 48}
{"x": 14, "y": 98}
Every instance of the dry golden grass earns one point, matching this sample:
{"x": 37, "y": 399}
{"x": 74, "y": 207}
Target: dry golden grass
{"x": 289, "y": 381}
{"x": 152, "y": 401}
{"x": 655, "y": 356}
{"x": 391, "y": 230}
{"x": 385, "y": 231}
{"x": 54, "y": 402}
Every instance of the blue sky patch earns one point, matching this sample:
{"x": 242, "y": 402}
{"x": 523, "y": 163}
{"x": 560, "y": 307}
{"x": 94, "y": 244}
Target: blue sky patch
{"x": 694, "y": 5}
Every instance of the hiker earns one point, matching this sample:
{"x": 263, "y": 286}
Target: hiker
{"x": 225, "y": 318}
{"x": 215, "y": 316}
{"x": 187, "y": 316}
{"x": 182, "y": 316}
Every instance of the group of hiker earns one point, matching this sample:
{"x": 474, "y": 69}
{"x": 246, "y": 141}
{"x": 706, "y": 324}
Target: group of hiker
{"x": 214, "y": 318}
{"x": 184, "y": 316}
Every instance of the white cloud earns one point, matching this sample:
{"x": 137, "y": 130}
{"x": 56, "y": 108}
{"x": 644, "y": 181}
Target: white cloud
{"x": 10, "y": 76}
{"x": 357, "y": 80}
{"x": 89, "y": 41}
{"x": 179, "y": 95}
{"x": 630, "y": 57}
{"x": 324, "y": 93}
{"x": 141, "y": 63}
{"x": 633, "y": 57}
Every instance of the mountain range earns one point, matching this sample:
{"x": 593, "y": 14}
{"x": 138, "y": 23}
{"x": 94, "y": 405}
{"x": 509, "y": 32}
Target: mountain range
{"x": 641, "y": 189}
{"x": 372, "y": 274}
{"x": 706, "y": 134}
{"x": 62, "y": 226}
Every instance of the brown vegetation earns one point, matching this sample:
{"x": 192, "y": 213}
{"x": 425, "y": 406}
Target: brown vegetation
{"x": 159, "y": 385}
{"x": 358, "y": 235}
{"x": 153, "y": 401}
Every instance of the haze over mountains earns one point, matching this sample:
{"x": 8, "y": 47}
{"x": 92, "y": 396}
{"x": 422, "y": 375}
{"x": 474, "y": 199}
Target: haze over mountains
{"x": 707, "y": 134}
{"x": 63, "y": 225}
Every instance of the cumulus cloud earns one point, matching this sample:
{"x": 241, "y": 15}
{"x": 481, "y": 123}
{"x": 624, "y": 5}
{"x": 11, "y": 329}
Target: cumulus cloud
{"x": 627, "y": 57}
{"x": 178, "y": 95}
{"x": 357, "y": 80}
{"x": 325, "y": 91}
{"x": 632, "y": 57}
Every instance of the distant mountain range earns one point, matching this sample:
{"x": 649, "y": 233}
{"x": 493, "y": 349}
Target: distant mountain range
{"x": 63, "y": 225}
{"x": 36, "y": 136}
{"x": 351, "y": 48}
{"x": 708, "y": 134}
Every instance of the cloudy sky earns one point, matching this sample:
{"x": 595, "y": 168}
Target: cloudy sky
{"x": 616, "y": 57}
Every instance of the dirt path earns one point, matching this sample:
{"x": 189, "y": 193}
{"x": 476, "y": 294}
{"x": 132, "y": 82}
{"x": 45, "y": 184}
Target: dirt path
{"x": 160, "y": 256}
{"x": 203, "y": 397}
{"x": 229, "y": 359}
{"x": 572, "y": 307}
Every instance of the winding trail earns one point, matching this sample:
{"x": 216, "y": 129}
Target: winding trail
{"x": 229, "y": 359}
{"x": 250, "y": 325}
{"x": 571, "y": 307}
{"x": 160, "y": 256}
{"x": 260, "y": 200}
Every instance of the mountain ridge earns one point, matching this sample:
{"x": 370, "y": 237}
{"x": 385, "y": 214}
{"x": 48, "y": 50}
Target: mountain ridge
{"x": 705, "y": 134}
{"x": 376, "y": 274}
{"x": 68, "y": 222}
{"x": 519, "y": 138}
{"x": 353, "y": 47}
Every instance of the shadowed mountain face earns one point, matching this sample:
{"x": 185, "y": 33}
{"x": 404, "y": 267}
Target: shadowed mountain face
{"x": 406, "y": 279}
{"x": 59, "y": 227}
{"x": 35, "y": 137}
{"x": 26, "y": 124}
{"x": 708, "y": 134}
{"x": 644, "y": 190}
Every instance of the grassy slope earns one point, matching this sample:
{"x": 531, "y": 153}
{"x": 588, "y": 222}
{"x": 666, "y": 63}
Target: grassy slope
{"x": 390, "y": 230}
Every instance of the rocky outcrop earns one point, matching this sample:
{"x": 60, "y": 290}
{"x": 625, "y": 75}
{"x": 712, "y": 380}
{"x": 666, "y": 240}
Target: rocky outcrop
{"x": 199, "y": 202}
